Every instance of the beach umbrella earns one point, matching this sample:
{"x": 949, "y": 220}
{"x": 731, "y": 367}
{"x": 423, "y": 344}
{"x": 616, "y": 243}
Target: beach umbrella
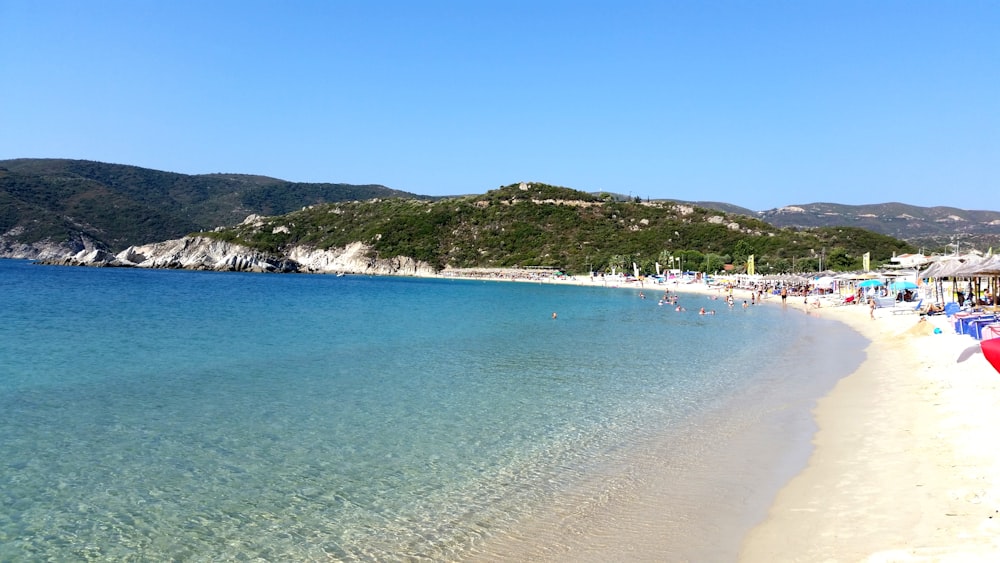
{"x": 870, "y": 283}
{"x": 991, "y": 349}
{"x": 825, "y": 281}
{"x": 902, "y": 285}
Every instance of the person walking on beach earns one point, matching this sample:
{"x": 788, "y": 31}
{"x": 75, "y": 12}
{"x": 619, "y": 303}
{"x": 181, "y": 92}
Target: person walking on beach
{"x": 784, "y": 295}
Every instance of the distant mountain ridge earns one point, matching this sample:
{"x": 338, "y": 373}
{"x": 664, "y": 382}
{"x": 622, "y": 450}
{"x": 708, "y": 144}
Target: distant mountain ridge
{"x": 928, "y": 227}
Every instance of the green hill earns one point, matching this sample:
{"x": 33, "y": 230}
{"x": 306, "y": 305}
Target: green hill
{"x": 116, "y": 205}
{"x": 542, "y": 225}
{"x": 73, "y": 204}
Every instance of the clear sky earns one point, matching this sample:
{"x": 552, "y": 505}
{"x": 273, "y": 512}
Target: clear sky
{"x": 760, "y": 104}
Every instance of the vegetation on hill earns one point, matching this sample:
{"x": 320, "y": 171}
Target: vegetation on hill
{"x": 114, "y": 206}
{"x": 932, "y": 228}
{"x": 542, "y": 225}
{"x": 117, "y": 206}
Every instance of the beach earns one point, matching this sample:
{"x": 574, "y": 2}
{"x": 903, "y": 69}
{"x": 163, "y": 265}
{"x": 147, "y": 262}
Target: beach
{"x": 905, "y": 465}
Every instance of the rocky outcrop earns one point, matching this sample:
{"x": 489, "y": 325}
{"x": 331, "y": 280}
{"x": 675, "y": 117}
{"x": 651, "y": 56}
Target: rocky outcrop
{"x": 43, "y": 250}
{"x": 200, "y": 253}
{"x": 204, "y": 253}
{"x": 355, "y": 259}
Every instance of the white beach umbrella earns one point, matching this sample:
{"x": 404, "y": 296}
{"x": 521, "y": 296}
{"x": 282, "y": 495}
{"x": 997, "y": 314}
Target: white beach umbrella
{"x": 825, "y": 281}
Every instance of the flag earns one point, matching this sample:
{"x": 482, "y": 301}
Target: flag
{"x": 866, "y": 261}
{"x": 635, "y": 268}
{"x": 750, "y": 265}
{"x": 657, "y": 268}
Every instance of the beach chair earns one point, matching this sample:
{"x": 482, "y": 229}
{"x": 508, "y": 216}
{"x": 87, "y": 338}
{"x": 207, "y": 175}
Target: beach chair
{"x": 885, "y": 302}
{"x": 907, "y": 310}
{"x": 838, "y": 301}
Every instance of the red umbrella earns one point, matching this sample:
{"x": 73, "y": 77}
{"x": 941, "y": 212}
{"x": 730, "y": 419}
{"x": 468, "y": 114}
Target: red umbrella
{"x": 991, "y": 349}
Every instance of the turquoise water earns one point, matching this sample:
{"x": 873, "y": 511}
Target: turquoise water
{"x": 218, "y": 416}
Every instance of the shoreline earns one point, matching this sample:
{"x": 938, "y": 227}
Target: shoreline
{"x": 903, "y": 465}
{"x": 728, "y": 486}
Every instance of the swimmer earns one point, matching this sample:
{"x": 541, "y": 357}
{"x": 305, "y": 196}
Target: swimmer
{"x": 554, "y": 315}
{"x": 702, "y": 311}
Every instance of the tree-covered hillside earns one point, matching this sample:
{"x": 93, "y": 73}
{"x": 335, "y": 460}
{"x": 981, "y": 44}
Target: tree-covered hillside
{"x": 114, "y": 206}
{"x": 541, "y": 225}
{"x": 117, "y": 205}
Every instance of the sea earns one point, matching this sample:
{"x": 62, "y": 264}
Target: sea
{"x": 150, "y": 415}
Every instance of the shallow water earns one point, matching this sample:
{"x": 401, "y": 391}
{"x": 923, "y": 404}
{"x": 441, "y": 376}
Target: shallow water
{"x": 210, "y": 416}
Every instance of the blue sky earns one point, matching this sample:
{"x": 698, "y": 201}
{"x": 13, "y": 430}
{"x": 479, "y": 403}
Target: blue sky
{"x": 760, "y": 104}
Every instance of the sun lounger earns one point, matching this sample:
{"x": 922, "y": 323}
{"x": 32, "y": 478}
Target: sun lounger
{"x": 834, "y": 300}
{"x": 906, "y": 310}
{"x": 885, "y": 302}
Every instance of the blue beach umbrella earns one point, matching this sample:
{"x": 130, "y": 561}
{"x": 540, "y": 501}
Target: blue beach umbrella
{"x": 870, "y": 283}
{"x": 902, "y": 285}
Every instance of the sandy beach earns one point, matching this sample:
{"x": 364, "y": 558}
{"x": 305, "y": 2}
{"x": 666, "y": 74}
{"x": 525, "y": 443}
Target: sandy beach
{"x": 905, "y": 465}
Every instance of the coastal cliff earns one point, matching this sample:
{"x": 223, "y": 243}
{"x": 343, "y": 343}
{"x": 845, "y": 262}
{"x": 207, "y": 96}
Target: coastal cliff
{"x": 47, "y": 249}
{"x": 204, "y": 253}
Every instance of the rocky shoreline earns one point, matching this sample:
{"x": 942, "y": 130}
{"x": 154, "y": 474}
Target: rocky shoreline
{"x": 204, "y": 253}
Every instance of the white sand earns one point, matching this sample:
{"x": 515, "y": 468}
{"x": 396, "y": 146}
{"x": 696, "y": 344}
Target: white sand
{"x": 907, "y": 458}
